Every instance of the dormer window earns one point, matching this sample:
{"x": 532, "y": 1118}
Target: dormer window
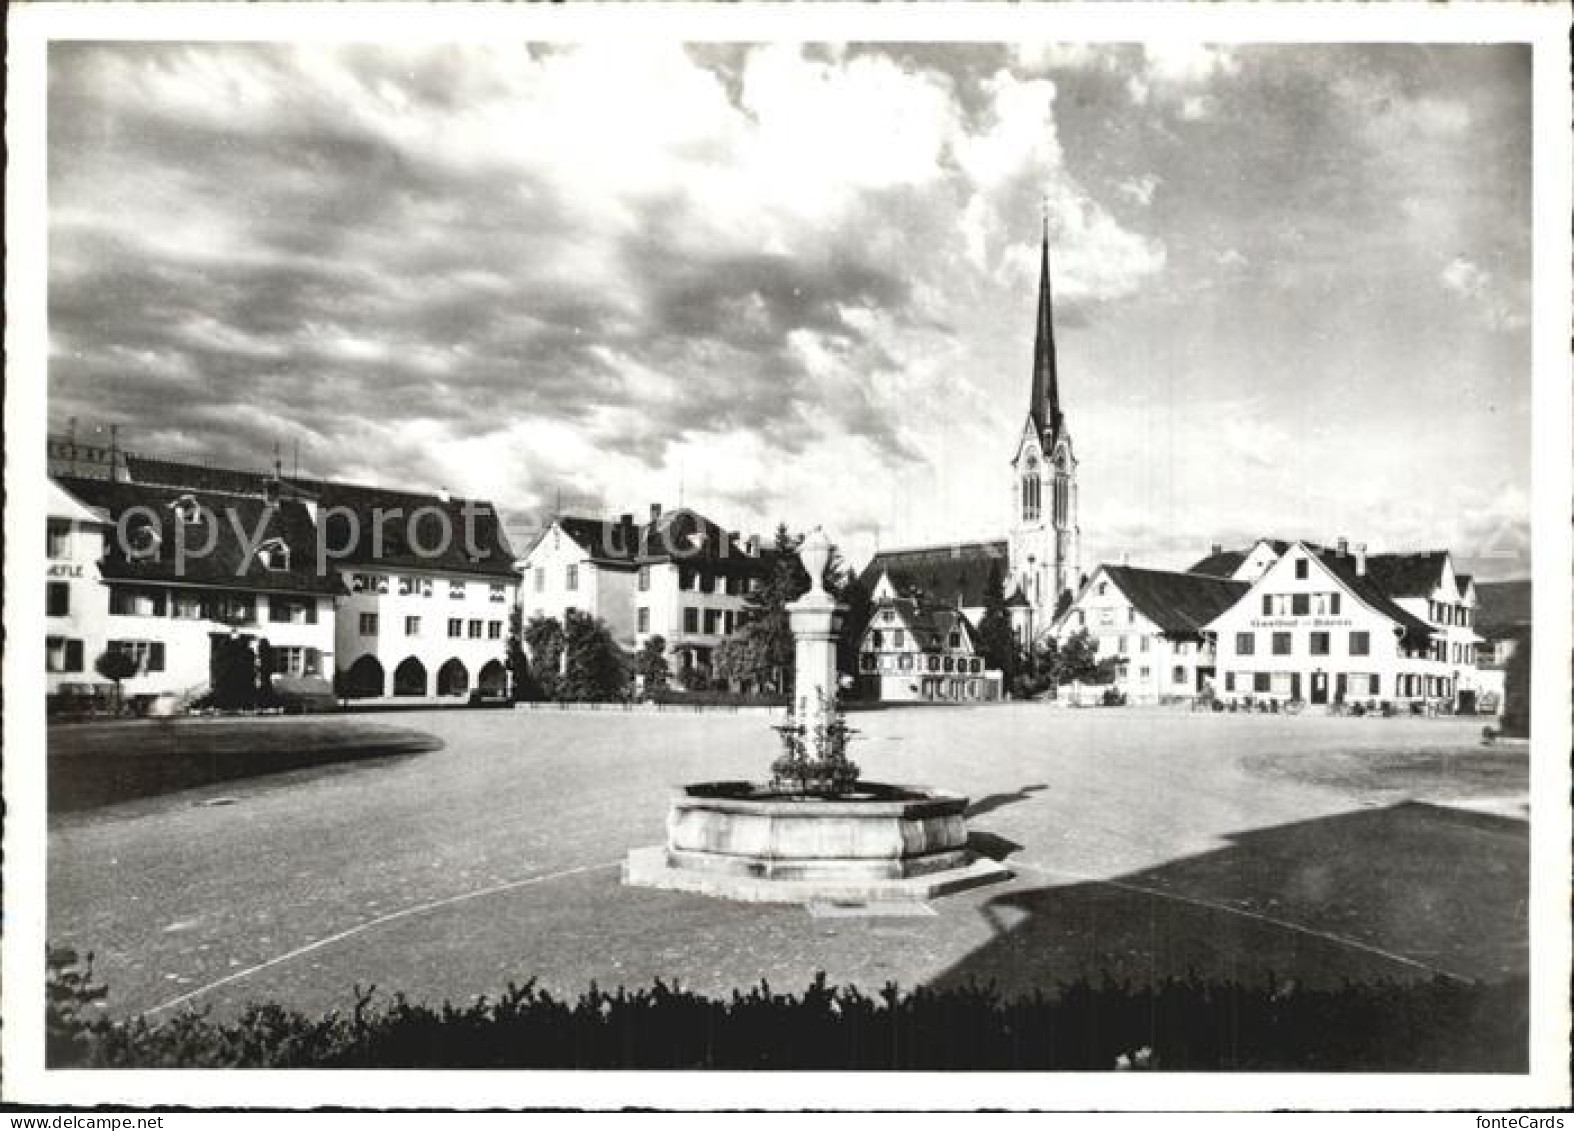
{"x": 143, "y": 543}
{"x": 187, "y": 510}
{"x": 274, "y": 555}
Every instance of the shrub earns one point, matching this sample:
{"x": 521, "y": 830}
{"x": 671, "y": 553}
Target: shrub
{"x": 1175, "y": 1025}
{"x": 717, "y": 699}
{"x": 814, "y": 759}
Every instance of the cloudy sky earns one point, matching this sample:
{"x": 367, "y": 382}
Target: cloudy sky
{"x": 798, "y": 282}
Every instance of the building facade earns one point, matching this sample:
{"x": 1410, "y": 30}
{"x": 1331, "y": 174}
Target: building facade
{"x": 181, "y": 571}
{"x": 378, "y": 594}
{"x": 1151, "y": 623}
{"x": 678, "y": 576}
{"x": 915, "y": 651}
{"x": 76, "y": 602}
{"x": 1320, "y": 627}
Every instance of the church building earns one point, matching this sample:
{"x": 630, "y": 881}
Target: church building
{"x": 1039, "y": 562}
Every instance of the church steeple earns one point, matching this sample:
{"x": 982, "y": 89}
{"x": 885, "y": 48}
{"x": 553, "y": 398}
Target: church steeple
{"x": 1045, "y": 404}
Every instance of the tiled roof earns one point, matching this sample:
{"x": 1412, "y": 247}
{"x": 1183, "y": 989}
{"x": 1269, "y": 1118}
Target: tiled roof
{"x": 931, "y": 624}
{"x": 1416, "y": 631}
{"x": 1502, "y": 606}
{"x": 682, "y": 535}
{"x": 1180, "y": 604}
{"x": 940, "y": 573}
{"x": 227, "y": 565}
{"x": 63, "y": 504}
{"x": 1226, "y": 562}
{"x": 350, "y": 507}
{"x": 1407, "y": 575}
{"x": 1222, "y": 564}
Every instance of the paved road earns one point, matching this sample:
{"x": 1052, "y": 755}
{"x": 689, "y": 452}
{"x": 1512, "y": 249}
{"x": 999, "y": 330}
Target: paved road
{"x": 1145, "y": 843}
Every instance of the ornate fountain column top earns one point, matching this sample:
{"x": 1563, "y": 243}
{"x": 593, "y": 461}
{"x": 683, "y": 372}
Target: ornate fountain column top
{"x": 815, "y": 554}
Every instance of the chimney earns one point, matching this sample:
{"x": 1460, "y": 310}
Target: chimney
{"x": 655, "y": 511}
{"x": 1218, "y": 548}
{"x": 754, "y": 545}
{"x": 1344, "y": 546}
{"x": 1125, "y": 557}
{"x": 1360, "y": 559}
{"x": 625, "y": 520}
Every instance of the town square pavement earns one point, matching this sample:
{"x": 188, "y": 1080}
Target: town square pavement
{"x": 1144, "y": 843}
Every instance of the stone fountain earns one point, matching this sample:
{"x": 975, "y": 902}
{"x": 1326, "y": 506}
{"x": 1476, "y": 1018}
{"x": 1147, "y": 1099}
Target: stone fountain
{"x": 859, "y": 842}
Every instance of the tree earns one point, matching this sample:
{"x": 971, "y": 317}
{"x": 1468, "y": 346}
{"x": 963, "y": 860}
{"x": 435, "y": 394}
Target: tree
{"x": 232, "y": 673}
{"x": 594, "y": 667}
{"x": 995, "y": 638}
{"x": 1516, "y": 688}
{"x": 543, "y": 639}
{"x": 1078, "y": 661}
{"x": 267, "y": 668}
{"x": 650, "y": 664}
{"x": 761, "y": 652}
{"x": 518, "y": 662}
{"x": 116, "y": 666}
{"x": 848, "y": 588}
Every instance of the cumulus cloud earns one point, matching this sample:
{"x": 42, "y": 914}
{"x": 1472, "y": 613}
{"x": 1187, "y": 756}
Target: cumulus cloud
{"x": 796, "y": 281}
{"x": 456, "y": 253}
{"x": 1139, "y": 190}
{"x": 1470, "y": 282}
{"x": 1179, "y": 73}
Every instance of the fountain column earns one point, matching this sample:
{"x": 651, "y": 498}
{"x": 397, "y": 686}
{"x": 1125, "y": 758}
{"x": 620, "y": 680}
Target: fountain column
{"x": 816, "y": 620}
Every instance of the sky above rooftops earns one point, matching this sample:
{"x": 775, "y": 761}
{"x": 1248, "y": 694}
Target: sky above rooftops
{"x": 798, "y": 282}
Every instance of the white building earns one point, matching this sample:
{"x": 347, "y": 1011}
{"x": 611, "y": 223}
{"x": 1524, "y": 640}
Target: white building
{"x": 424, "y": 581}
{"x": 1323, "y": 626}
{"x": 76, "y": 603}
{"x": 1151, "y": 623}
{"x": 679, "y": 576}
{"x": 176, "y": 576}
{"x": 917, "y": 651}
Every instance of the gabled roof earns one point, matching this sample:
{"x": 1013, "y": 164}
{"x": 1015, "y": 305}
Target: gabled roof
{"x": 1365, "y": 587}
{"x": 930, "y": 624}
{"x": 683, "y": 536}
{"x": 62, "y": 504}
{"x": 351, "y": 508}
{"x": 1222, "y": 564}
{"x": 609, "y": 543}
{"x": 941, "y": 574}
{"x": 1407, "y": 575}
{"x": 226, "y": 565}
{"x": 1180, "y": 604}
{"x": 1226, "y": 562}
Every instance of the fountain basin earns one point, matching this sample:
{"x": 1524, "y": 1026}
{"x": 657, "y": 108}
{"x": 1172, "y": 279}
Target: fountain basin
{"x": 749, "y": 842}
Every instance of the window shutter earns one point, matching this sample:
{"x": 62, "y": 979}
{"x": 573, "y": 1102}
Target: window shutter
{"x": 311, "y": 610}
{"x": 73, "y": 655}
{"x": 313, "y": 657}
{"x": 156, "y": 656}
{"x": 1267, "y": 605}
{"x": 1333, "y": 604}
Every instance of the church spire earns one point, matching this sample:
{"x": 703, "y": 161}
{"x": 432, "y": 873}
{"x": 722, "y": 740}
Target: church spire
{"x": 1045, "y": 405}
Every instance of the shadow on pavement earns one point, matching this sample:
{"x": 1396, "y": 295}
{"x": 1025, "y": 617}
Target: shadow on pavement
{"x": 1001, "y": 800}
{"x": 97, "y": 764}
{"x": 1402, "y": 893}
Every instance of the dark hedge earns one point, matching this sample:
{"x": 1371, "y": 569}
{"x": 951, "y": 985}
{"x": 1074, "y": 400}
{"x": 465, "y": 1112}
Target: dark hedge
{"x": 1176, "y": 1025}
